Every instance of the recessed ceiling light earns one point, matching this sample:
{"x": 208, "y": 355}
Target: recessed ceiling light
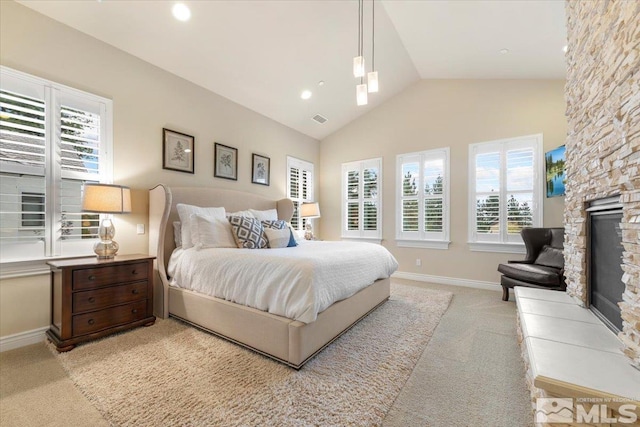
{"x": 306, "y": 94}
{"x": 181, "y": 12}
{"x": 503, "y": 51}
{"x": 321, "y": 83}
{"x": 565, "y": 48}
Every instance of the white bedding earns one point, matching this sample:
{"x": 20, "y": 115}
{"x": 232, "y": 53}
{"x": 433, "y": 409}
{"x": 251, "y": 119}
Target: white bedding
{"x": 297, "y": 283}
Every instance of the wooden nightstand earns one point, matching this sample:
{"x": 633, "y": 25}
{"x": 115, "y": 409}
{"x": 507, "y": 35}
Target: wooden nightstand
{"x": 92, "y": 297}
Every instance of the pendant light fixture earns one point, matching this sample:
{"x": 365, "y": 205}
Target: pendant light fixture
{"x": 358, "y": 62}
{"x": 372, "y": 76}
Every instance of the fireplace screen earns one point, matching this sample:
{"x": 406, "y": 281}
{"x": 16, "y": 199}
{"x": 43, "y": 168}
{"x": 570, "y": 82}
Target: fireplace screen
{"x": 605, "y": 271}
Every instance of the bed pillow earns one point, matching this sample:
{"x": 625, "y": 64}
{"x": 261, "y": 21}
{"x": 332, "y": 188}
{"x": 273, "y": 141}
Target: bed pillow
{"x": 246, "y": 213}
{"x": 185, "y": 212}
{"x": 248, "y": 232}
{"x": 293, "y": 240}
{"x": 208, "y": 232}
{"x": 177, "y": 233}
{"x": 281, "y": 225}
{"x": 277, "y": 237}
{"x": 266, "y": 215}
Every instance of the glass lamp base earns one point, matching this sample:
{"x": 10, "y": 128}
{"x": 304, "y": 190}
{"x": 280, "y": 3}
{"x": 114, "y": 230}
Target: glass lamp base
{"x": 106, "y": 249}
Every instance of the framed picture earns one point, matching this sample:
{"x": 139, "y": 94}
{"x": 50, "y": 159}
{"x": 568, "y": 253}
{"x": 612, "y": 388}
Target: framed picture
{"x": 177, "y": 151}
{"x": 225, "y": 162}
{"x": 260, "y": 169}
{"x": 554, "y": 167}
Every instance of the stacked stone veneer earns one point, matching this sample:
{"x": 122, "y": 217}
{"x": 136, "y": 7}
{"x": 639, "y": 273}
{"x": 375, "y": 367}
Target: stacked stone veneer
{"x": 603, "y": 142}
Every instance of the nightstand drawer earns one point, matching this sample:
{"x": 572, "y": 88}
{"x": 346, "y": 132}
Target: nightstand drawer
{"x": 105, "y": 297}
{"x": 99, "y": 276}
{"x": 107, "y": 318}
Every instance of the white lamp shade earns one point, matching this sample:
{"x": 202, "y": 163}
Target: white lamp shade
{"x": 106, "y": 198}
{"x": 372, "y": 81}
{"x": 358, "y": 66}
{"x": 361, "y": 94}
{"x": 310, "y": 210}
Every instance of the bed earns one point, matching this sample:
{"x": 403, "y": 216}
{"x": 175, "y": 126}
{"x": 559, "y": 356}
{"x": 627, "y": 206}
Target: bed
{"x": 290, "y": 341}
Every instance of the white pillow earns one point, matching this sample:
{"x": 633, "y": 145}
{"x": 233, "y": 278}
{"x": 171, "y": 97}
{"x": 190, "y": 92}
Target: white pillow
{"x": 177, "y": 233}
{"x": 246, "y": 214}
{"x": 267, "y": 215}
{"x": 208, "y": 232}
{"x": 185, "y": 212}
{"x": 277, "y": 238}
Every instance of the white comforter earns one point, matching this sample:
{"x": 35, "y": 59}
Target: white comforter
{"x": 297, "y": 283}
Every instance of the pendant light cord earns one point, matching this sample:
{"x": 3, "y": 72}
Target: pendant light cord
{"x": 373, "y": 35}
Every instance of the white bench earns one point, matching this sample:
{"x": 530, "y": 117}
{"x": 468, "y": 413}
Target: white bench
{"x": 569, "y": 351}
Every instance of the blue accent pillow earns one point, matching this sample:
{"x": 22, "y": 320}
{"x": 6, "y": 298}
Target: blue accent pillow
{"x": 292, "y": 239}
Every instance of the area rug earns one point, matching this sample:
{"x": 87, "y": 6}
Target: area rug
{"x": 174, "y": 374}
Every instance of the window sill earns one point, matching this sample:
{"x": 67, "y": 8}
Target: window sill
{"x": 34, "y": 267}
{"x": 375, "y": 240}
{"x": 507, "y": 248}
{"x": 426, "y": 244}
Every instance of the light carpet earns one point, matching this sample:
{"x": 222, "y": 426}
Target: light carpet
{"x": 174, "y": 374}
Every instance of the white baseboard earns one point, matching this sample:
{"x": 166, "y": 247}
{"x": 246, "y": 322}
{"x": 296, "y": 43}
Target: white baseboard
{"x": 442, "y": 280}
{"x": 22, "y": 339}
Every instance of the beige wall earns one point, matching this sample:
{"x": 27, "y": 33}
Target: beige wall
{"x": 444, "y": 113}
{"x": 145, "y": 99}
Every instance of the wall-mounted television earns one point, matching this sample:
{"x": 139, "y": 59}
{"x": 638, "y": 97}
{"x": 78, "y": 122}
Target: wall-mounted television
{"x": 555, "y": 176}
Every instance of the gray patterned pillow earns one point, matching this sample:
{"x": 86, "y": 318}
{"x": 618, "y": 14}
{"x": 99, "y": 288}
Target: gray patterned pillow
{"x": 248, "y": 232}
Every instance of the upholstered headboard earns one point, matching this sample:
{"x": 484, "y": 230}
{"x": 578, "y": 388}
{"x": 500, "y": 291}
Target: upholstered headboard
{"x": 163, "y": 212}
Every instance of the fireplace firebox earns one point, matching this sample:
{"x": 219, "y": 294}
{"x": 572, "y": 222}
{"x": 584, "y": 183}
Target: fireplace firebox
{"x": 604, "y": 259}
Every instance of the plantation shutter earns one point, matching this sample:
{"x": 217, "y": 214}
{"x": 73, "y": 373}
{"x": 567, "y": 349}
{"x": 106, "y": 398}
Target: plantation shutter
{"x": 504, "y": 191}
{"x": 300, "y": 178}
{"x": 53, "y": 139}
{"x": 488, "y": 193}
{"x": 422, "y": 198}
{"x": 361, "y": 199}
{"x": 22, "y": 166}
{"x": 80, "y": 143}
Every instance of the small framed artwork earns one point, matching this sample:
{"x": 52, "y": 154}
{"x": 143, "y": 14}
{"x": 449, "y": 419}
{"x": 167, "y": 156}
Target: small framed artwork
{"x": 177, "y": 151}
{"x": 555, "y": 173}
{"x": 260, "y": 169}
{"x": 225, "y": 162}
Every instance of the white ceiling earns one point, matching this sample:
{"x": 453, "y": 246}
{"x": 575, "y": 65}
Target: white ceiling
{"x": 262, "y": 54}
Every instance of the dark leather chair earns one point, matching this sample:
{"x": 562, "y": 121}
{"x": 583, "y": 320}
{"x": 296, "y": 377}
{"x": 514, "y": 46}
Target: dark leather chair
{"x": 543, "y": 266}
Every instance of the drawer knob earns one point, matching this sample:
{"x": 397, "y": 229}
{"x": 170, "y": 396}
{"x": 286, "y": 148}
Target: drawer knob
{"x": 92, "y": 277}
{"x": 134, "y": 311}
{"x": 135, "y": 292}
{"x": 134, "y": 272}
{"x": 91, "y": 321}
{"x": 91, "y": 299}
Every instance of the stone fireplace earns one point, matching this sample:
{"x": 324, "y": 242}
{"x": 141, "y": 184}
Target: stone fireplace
{"x": 603, "y": 144}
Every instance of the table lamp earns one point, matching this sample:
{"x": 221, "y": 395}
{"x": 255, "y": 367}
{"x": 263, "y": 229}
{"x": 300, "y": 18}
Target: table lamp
{"x": 308, "y": 211}
{"x": 106, "y": 199}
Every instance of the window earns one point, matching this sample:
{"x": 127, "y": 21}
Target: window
{"x": 361, "y": 199}
{"x": 423, "y": 199}
{"x": 299, "y": 188}
{"x": 53, "y": 139}
{"x": 505, "y": 192}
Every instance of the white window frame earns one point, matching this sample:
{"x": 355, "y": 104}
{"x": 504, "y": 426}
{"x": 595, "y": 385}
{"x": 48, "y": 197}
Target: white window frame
{"x": 375, "y": 236}
{"x": 55, "y": 95}
{"x": 505, "y": 242}
{"x": 422, "y": 238}
{"x": 303, "y": 165}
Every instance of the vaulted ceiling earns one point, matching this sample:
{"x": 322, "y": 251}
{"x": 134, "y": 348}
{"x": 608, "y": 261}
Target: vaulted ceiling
{"x": 263, "y": 53}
